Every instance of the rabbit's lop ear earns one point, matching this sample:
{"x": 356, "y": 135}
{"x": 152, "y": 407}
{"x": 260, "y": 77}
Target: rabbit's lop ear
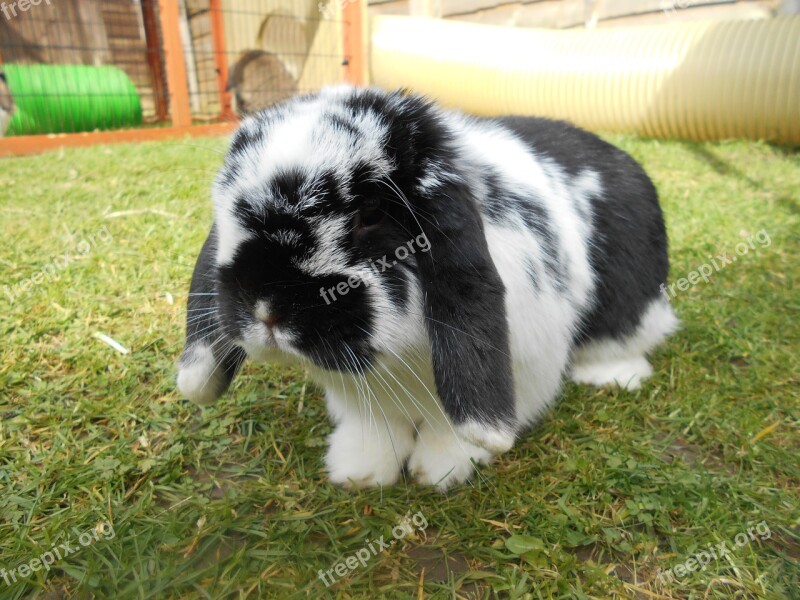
{"x": 208, "y": 362}
{"x": 465, "y": 317}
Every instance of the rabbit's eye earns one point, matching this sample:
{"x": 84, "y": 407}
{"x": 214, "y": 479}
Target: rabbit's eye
{"x": 371, "y": 213}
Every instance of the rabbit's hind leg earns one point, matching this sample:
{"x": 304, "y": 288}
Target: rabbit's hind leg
{"x": 622, "y": 361}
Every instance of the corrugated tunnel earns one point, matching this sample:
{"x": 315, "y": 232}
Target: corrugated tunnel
{"x": 702, "y": 81}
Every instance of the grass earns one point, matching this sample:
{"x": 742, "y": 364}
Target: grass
{"x": 609, "y": 490}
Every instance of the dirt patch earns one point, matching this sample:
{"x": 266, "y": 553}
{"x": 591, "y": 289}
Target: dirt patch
{"x": 787, "y": 545}
{"x": 438, "y": 565}
{"x": 692, "y": 455}
{"x": 622, "y": 571}
{"x": 224, "y": 478}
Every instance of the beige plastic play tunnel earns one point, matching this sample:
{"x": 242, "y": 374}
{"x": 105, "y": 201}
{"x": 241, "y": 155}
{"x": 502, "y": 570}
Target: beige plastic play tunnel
{"x": 703, "y": 80}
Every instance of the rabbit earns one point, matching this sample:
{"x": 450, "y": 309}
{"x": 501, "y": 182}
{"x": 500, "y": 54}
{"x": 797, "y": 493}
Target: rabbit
{"x": 258, "y": 80}
{"x": 438, "y": 274}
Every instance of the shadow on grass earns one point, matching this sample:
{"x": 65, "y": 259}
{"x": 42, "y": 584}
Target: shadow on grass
{"x": 723, "y": 167}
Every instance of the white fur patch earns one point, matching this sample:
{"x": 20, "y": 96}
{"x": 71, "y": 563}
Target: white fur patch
{"x": 496, "y": 441}
{"x": 627, "y": 373}
{"x": 199, "y": 376}
{"x": 540, "y": 325}
{"x": 623, "y": 362}
{"x": 361, "y": 456}
{"x": 329, "y": 256}
{"x": 230, "y": 235}
{"x": 263, "y": 310}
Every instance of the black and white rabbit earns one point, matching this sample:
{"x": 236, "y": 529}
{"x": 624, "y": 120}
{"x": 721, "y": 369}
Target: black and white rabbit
{"x": 530, "y": 249}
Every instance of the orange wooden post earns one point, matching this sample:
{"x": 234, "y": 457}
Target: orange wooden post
{"x": 176, "y": 66}
{"x": 150, "y": 21}
{"x": 355, "y": 64}
{"x": 220, "y": 58}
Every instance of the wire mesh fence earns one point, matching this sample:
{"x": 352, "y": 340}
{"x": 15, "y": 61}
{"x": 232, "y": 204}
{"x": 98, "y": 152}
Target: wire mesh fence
{"x": 87, "y": 65}
{"x": 245, "y": 57}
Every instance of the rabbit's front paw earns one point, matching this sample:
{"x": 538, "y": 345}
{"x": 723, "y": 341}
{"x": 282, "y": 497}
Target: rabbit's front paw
{"x": 494, "y": 439}
{"x": 442, "y": 459}
{"x": 199, "y": 375}
{"x": 360, "y": 457}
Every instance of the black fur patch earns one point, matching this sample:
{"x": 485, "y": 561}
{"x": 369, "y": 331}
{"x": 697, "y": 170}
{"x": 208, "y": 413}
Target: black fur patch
{"x": 465, "y": 311}
{"x": 244, "y": 139}
{"x": 334, "y": 333}
{"x": 348, "y": 126}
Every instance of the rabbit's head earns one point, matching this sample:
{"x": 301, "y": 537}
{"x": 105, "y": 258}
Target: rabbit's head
{"x": 347, "y": 232}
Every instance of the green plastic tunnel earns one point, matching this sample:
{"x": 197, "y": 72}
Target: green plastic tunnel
{"x": 71, "y": 98}
{"x": 702, "y": 80}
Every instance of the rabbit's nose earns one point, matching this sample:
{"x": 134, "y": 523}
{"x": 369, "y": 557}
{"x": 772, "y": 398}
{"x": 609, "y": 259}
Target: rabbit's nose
{"x": 270, "y": 321}
{"x": 266, "y": 314}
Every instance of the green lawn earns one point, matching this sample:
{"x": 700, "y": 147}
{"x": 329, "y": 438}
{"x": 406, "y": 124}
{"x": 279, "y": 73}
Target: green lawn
{"x": 609, "y": 491}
